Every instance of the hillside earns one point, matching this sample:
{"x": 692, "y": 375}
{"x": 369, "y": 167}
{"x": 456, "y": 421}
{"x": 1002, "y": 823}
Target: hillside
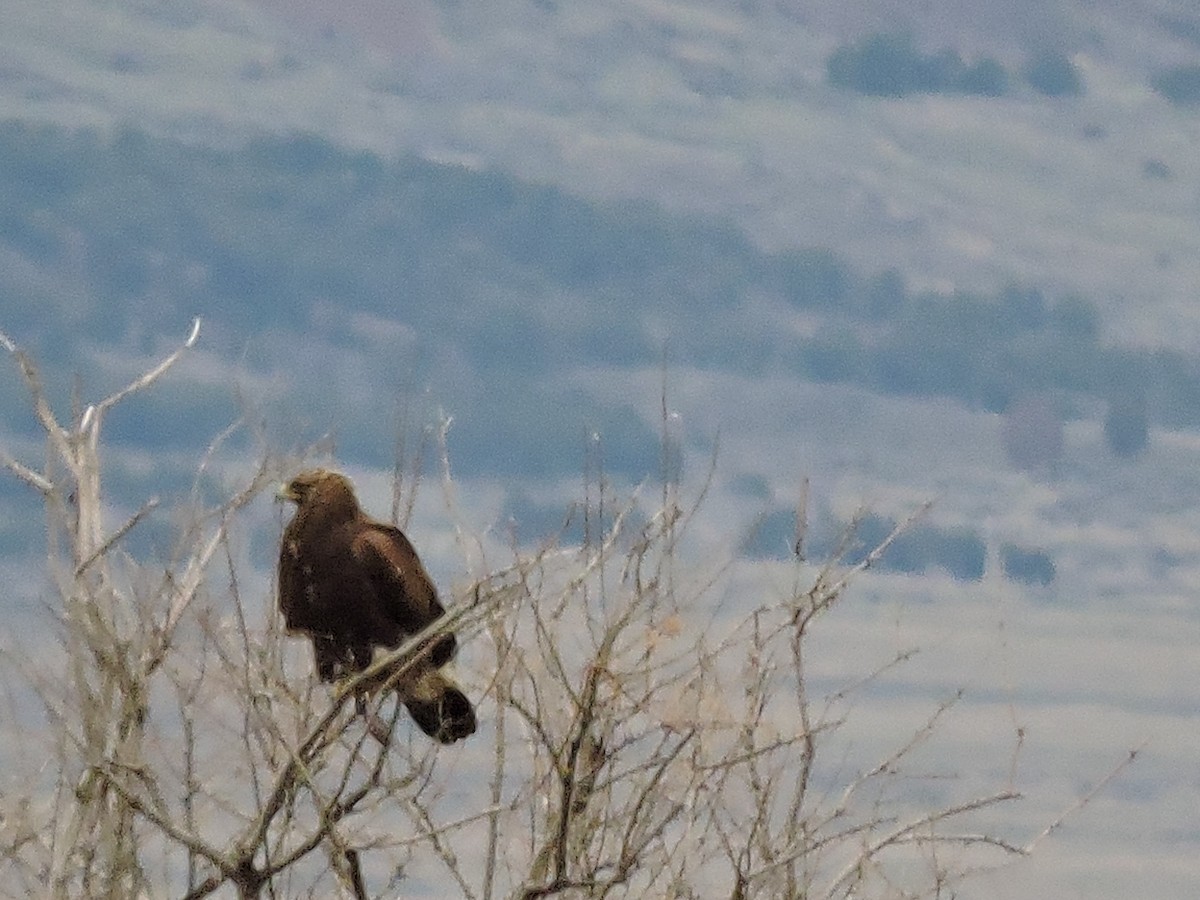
{"x": 531, "y": 217}
{"x": 711, "y": 112}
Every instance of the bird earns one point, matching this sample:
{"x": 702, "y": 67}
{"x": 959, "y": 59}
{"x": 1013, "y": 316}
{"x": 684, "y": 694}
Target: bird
{"x": 351, "y": 584}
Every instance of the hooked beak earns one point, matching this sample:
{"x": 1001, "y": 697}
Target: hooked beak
{"x": 285, "y": 492}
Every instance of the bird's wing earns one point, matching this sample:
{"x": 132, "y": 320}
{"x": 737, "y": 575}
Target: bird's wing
{"x": 397, "y": 576}
{"x": 292, "y": 600}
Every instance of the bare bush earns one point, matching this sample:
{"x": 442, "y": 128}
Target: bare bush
{"x": 640, "y": 740}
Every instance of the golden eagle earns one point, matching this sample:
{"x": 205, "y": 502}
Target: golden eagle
{"x": 352, "y": 584}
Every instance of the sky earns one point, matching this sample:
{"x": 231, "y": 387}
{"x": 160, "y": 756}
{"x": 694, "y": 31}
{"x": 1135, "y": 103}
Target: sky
{"x": 716, "y": 115}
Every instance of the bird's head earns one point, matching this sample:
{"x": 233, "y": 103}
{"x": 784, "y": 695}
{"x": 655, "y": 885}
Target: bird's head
{"x": 318, "y": 486}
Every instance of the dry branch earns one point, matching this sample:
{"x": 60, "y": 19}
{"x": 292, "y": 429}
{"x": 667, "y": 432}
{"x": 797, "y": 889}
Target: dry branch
{"x": 644, "y": 740}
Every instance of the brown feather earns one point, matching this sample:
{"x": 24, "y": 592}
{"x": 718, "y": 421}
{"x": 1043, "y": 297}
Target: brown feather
{"x": 352, "y": 584}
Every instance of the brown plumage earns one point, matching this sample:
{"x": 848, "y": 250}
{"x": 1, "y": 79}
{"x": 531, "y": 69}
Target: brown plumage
{"x": 352, "y": 584}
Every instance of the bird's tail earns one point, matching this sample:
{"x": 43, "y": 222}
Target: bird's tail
{"x": 438, "y": 706}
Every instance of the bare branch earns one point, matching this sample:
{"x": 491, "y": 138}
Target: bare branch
{"x": 26, "y": 474}
{"x": 1087, "y": 798}
{"x": 41, "y": 406}
{"x": 111, "y": 541}
{"x": 193, "y": 843}
{"x": 907, "y": 831}
{"x": 649, "y": 737}
{"x": 835, "y": 589}
{"x": 146, "y": 379}
{"x": 433, "y": 835}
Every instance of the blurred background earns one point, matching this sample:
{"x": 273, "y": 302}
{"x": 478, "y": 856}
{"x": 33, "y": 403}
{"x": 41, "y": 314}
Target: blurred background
{"x": 901, "y": 252}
